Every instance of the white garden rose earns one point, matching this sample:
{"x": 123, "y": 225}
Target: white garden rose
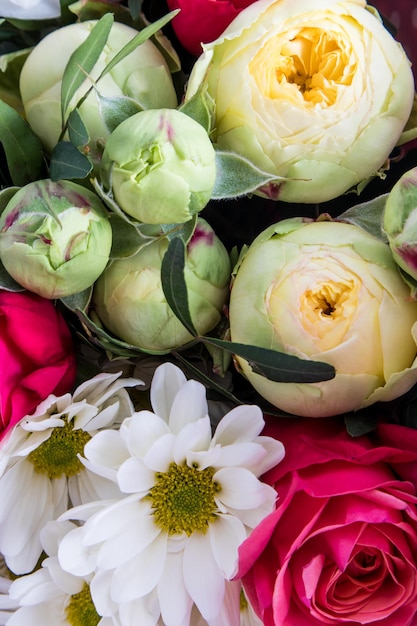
{"x": 326, "y": 291}
{"x": 318, "y": 92}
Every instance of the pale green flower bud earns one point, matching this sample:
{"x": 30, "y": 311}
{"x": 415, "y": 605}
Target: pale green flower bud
{"x": 55, "y": 238}
{"x": 400, "y": 222}
{"x": 143, "y": 76}
{"x": 161, "y": 164}
{"x": 331, "y": 292}
{"x": 129, "y": 300}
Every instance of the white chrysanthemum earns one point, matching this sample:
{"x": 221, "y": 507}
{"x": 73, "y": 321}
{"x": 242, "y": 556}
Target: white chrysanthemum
{"x": 52, "y": 597}
{"x": 192, "y": 499}
{"x": 7, "y": 604}
{"x": 40, "y": 472}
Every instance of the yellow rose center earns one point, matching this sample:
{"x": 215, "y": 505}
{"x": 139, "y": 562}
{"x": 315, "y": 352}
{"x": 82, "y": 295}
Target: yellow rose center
{"x": 311, "y": 64}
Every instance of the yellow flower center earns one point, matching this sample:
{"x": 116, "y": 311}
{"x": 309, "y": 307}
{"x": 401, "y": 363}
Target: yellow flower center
{"x": 183, "y": 499}
{"x": 58, "y": 455}
{"x": 81, "y": 610}
{"x": 310, "y": 64}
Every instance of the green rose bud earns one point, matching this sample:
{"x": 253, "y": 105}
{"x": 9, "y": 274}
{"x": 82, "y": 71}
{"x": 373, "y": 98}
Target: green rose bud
{"x": 143, "y": 76}
{"x": 129, "y": 300}
{"x": 326, "y": 291}
{"x": 400, "y": 222}
{"x": 161, "y": 165}
{"x": 55, "y": 238}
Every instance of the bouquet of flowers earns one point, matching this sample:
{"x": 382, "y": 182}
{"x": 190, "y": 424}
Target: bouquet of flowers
{"x": 208, "y": 313}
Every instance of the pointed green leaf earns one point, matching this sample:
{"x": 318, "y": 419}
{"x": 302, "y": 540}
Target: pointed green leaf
{"x": 237, "y": 176}
{"x": 77, "y": 130}
{"x": 78, "y": 301}
{"x": 127, "y": 240}
{"x": 115, "y": 110}
{"x": 22, "y": 147}
{"x": 359, "y": 424}
{"x": 82, "y": 61}
{"x": 200, "y": 107}
{"x": 173, "y": 282}
{"x": 185, "y": 230}
{"x": 67, "y": 162}
{"x": 368, "y": 216}
{"x": 142, "y": 36}
{"x": 277, "y": 366}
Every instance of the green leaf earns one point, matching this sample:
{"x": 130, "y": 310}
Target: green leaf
{"x": 140, "y": 38}
{"x": 368, "y": 216}
{"x": 82, "y": 61}
{"x": 358, "y": 424}
{"x": 77, "y": 130}
{"x": 115, "y": 110}
{"x": 184, "y": 230}
{"x": 67, "y": 162}
{"x": 135, "y": 7}
{"x": 23, "y": 149}
{"x": 173, "y": 282}
{"x": 277, "y": 366}
{"x": 200, "y": 107}
{"x": 237, "y": 176}
{"x": 127, "y": 239}
{"x": 78, "y": 301}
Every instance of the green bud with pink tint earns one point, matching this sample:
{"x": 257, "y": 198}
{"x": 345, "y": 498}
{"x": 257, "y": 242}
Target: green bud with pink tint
{"x": 55, "y": 238}
{"x": 400, "y": 222}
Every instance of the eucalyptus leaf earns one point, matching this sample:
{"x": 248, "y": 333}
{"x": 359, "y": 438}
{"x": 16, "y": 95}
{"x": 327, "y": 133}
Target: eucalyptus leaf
{"x": 368, "y": 216}
{"x": 23, "y": 149}
{"x": 82, "y": 61}
{"x": 115, "y": 110}
{"x": 67, "y": 162}
{"x": 77, "y": 130}
{"x": 277, "y": 366}
{"x": 237, "y": 176}
{"x": 135, "y": 7}
{"x": 173, "y": 282}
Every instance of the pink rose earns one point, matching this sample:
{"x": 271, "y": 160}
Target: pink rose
{"x": 36, "y": 355}
{"x": 341, "y": 547}
{"x": 203, "y": 20}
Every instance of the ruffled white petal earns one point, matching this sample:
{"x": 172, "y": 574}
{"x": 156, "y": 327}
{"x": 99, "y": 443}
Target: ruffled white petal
{"x": 243, "y": 423}
{"x": 240, "y": 489}
{"x": 189, "y": 405}
{"x": 174, "y": 600}
{"x": 226, "y": 534}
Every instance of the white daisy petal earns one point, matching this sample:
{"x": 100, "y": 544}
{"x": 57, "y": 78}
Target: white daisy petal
{"x": 174, "y": 600}
{"x": 246, "y": 454}
{"x": 111, "y": 520}
{"x": 134, "y": 476}
{"x": 193, "y": 437}
{"x": 243, "y": 423}
{"x": 74, "y": 557}
{"x": 240, "y": 489}
{"x": 188, "y": 406}
{"x": 203, "y": 579}
{"x": 143, "y": 429}
{"x": 275, "y": 454}
{"x": 141, "y": 574}
{"x": 105, "y": 446}
{"x": 159, "y": 455}
{"x": 134, "y": 537}
{"x": 141, "y": 612}
{"x": 100, "y": 588}
{"x": 167, "y": 381}
{"x": 226, "y": 535}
